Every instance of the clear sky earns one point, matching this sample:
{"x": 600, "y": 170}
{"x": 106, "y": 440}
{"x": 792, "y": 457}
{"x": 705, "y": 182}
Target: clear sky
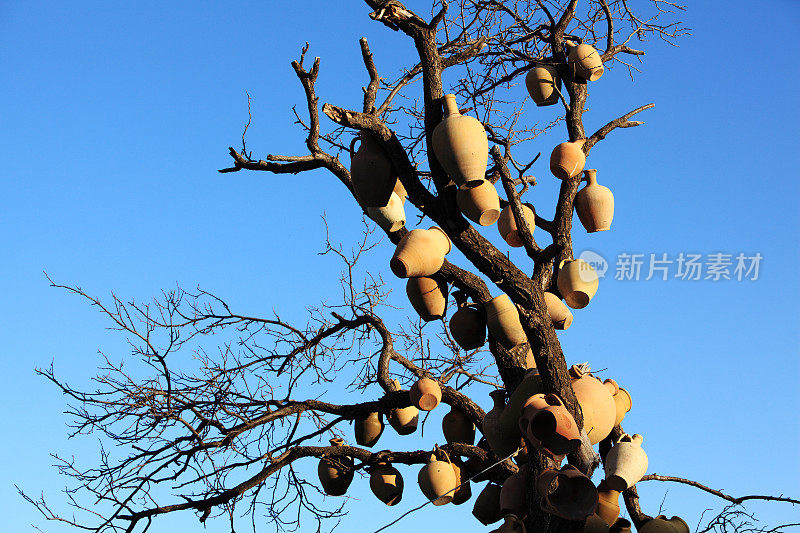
{"x": 115, "y": 117}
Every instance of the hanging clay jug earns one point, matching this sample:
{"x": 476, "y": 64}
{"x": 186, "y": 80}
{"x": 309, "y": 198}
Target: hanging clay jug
{"x": 594, "y": 524}
{"x": 659, "y": 524}
{"x": 479, "y": 203}
{"x": 501, "y": 442}
{"x": 543, "y": 84}
{"x": 403, "y": 419}
{"x": 594, "y": 204}
{"x": 335, "y": 471}
{"x": 549, "y": 426}
{"x": 502, "y": 319}
{"x": 597, "y": 403}
{"x": 679, "y": 524}
{"x": 513, "y": 499}
{"x": 457, "y": 427}
{"x": 560, "y": 315}
{"x": 391, "y": 217}
{"x": 625, "y": 463}
{"x": 577, "y": 282}
{"x": 420, "y": 253}
{"x": 437, "y": 480}
{"x": 368, "y": 429}
{"x": 425, "y": 394}
{"x": 386, "y": 483}
{"x": 468, "y": 327}
{"x": 608, "y": 503}
{"x": 567, "y": 493}
{"x": 487, "y": 505}
{"x": 620, "y": 526}
{"x": 530, "y": 385}
{"x": 512, "y": 524}
{"x": 585, "y": 61}
{"x": 623, "y": 403}
{"x": 507, "y": 225}
{"x": 400, "y": 191}
{"x": 461, "y": 145}
{"x": 428, "y": 297}
{"x": 463, "y": 491}
{"x": 567, "y": 159}
{"x": 371, "y": 172}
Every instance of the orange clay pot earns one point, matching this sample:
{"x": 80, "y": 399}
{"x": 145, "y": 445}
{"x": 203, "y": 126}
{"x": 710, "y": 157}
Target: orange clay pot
{"x": 425, "y": 394}
{"x": 608, "y": 503}
{"x": 625, "y": 463}
{"x": 511, "y": 524}
{"x": 595, "y": 524}
{"x": 368, "y": 429}
{"x": 567, "y": 159}
{"x": 507, "y": 225}
{"x": 391, "y": 217}
{"x": 597, "y": 403}
{"x": 386, "y": 483}
{"x": 549, "y": 427}
{"x": 660, "y": 524}
{"x": 585, "y": 61}
{"x": 567, "y": 493}
{"x": 461, "y": 145}
{"x": 335, "y": 472}
{"x": 463, "y": 492}
{"x": 501, "y": 442}
{"x": 457, "y": 427}
{"x": 428, "y": 297}
{"x": 468, "y": 327}
{"x": 502, "y": 319}
{"x": 371, "y": 172}
{"x": 479, "y": 203}
{"x": 560, "y": 315}
{"x": 513, "y": 494}
{"x": 487, "y": 505}
{"x": 542, "y": 81}
{"x": 420, "y": 253}
{"x": 623, "y": 403}
{"x": 437, "y": 479}
{"x": 530, "y": 385}
{"x": 577, "y": 282}
{"x": 403, "y": 419}
{"x": 594, "y": 204}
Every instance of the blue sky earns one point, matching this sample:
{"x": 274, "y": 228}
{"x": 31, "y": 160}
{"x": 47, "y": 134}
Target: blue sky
{"x": 116, "y": 117}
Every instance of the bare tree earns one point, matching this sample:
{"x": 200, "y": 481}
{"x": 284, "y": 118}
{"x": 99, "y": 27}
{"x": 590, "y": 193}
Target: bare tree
{"x": 225, "y": 436}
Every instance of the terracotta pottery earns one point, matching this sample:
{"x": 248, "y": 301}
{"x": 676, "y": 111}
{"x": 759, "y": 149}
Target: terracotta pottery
{"x": 560, "y": 315}
{"x": 511, "y": 524}
{"x": 335, "y": 472}
{"x": 597, "y": 403}
{"x": 426, "y": 394}
{"x": 549, "y": 427}
{"x": 625, "y": 463}
{"x": 507, "y": 224}
{"x": 530, "y": 385}
{"x": 400, "y": 191}
{"x": 620, "y": 526}
{"x": 501, "y": 442}
{"x": 567, "y": 159}
{"x": 567, "y": 493}
{"x": 368, "y": 429}
{"x": 502, "y": 319}
{"x": 391, "y": 217}
{"x": 623, "y": 403}
{"x": 463, "y": 491}
{"x": 371, "y": 172}
{"x": 608, "y": 503}
{"x": 594, "y": 204}
{"x": 428, "y": 297}
{"x": 420, "y": 253}
{"x": 461, "y": 145}
{"x": 386, "y": 483}
{"x": 594, "y": 524}
{"x": 468, "y": 327}
{"x": 660, "y": 524}
{"x": 457, "y": 427}
{"x": 513, "y": 499}
{"x": 479, "y": 203}
{"x": 403, "y": 419}
{"x": 542, "y": 81}
{"x": 585, "y": 61}
{"x": 577, "y": 282}
{"x": 437, "y": 480}
{"x": 487, "y": 505}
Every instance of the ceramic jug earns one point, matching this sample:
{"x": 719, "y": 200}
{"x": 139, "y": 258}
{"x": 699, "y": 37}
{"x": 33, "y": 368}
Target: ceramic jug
{"x": 567, "y": 159}
{"x": 437, "y": 480}
{"x": 530, "y": 385}
{"x": 585, "y": 61}
{"x": 457, "y": 427}
{"x": 501, "y": 442}
{"x": 392, "y": 216}
{"x": 594, "y": 204}
{"x": 513, "y": 499}
{"x": 560, "y": 315}
{"x": 468, "y": 327}
{"x": 511, "y": 524}
{"x": 577, "y": 282}
{"x": 507, "y": 224}
{"x": 426, "y": 394}
{"x": 549, "y": 426}
{"x": 623, "y": 403}
{"x": 335, "y": 471}
{"x": 594, "y": 524}
{"x": 400, "y": 191}
{"x": 487, "y": 505}
{"x": 371, "y": 172}
{"x": 368, "y": 429}
{"x": 659, "y": 524}
{"x": 386, "y": 483}
{"x": 428, "y": 296}
{"x": 479, "y": 203}
{"x": 460, "y": 144}
{"x": 543, "y": 84}
{"x": 625, "y": 463}
{"x": 502, "y": 319}
{"x": 620, "y": 526}
{"x": 608, "y": 503}
{"x": 420, "y": 253}
{"x": 463, "y": 491}
{"x": 403, "y": 419}
{"x": 567, "y": 493}
{"x": 596, "y": 399}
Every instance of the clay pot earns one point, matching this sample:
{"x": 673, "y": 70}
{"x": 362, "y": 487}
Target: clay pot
{"x": 463, "y": 491}
{"x": 487, "y": 505}
{"x": 567, "y": 159}
{"x": 400, "y": 191}
{"x": 468, "y": 327}
{"x": 461, "y": 145}
{"x": 457, "y": 427}
{"x": 368, "y": 429}
{"x": 335, "y": 472}
{"x": 501, "y": 442}
{"x": 391, "y": 217}
{"x": 371, "y": 172}
{"x": 597, "y": 403}
{"x": 679, "y": 524}
{"x": 530, "y": 385}
{"x": 567, "y": 493}
{"x": 513, "y": 499}
{"x": 386, "y": 483}
{"x": 479, "y": 203}
{"x": 512, "y": 524}
{"x": 620, "y": 526}
{"x": 403, "y": 419}
{"x": 560, "y": 316}
{"x": 420, "y": 253}
{"x": 594, "y": 524}
{"x": 437, "y": 480}
{"x": 660, "y": 524}
{"x": 623, "y": 403}
{"x": 577, "y": 282}
{"x": 625, "y": 463}
{"x": 428, "y": 297}
{"x": 507, "y": 224}
{"x": 425, "y": 394}
{"x": 549, "y": 427}
{"x": 585, "y": 61}
{"x": 608, "y": 503}
{"x": 542, "y": 81}
{"x": 502, "y": 319}
{"x": 594, "y": 204}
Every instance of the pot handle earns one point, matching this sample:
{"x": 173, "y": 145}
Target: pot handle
{"x": 352, "y": 144}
